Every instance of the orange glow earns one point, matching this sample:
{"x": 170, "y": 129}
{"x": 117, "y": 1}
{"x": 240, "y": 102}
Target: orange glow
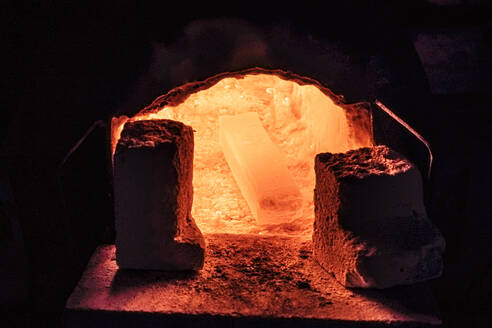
{"x": 300, "y": 118}
{"x": 259, "y": 168}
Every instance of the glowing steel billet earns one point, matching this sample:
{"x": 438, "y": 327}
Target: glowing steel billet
{"x": 259, "y": 168}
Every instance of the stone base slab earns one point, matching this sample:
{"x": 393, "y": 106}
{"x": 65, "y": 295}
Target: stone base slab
{"x": 246, "y": 280}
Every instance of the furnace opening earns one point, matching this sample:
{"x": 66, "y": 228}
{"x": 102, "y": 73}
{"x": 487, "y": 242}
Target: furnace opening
{"x": 298, "y": 116}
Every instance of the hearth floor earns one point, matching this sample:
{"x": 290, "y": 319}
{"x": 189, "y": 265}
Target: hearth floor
{"x": 246, "y": 280}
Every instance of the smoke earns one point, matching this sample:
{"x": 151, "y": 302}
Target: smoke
{"x": 206, "y": 48}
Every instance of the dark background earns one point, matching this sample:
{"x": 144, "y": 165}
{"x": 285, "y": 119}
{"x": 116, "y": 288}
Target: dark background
{"x": 70, "y": 64}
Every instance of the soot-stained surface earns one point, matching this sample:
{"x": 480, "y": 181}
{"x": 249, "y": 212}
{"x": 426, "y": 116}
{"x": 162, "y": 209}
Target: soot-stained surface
{"x": 245, "y": 277}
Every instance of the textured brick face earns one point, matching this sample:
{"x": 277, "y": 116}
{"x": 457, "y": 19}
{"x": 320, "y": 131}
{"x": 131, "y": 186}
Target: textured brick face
{"x": 371, "y": 228}
{"x": 153, "y": 172}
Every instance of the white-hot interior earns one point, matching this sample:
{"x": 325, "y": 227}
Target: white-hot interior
{"x": 300, "y": 119}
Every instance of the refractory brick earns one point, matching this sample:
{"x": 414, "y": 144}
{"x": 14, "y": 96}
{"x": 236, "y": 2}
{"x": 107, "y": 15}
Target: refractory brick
{"x": 153, "y": 195}
{"x": 371, "y": 228}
